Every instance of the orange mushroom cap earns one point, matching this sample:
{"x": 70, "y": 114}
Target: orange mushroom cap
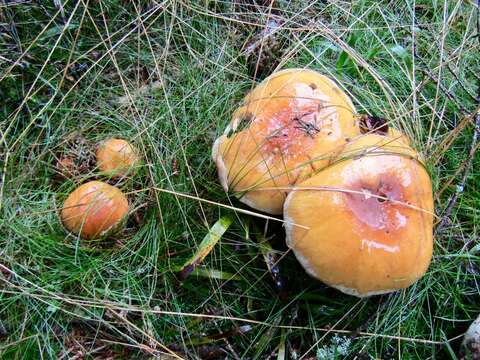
{"x": 117, "y": 157}
{"x": 290, "y": 125}
{"x": 369, "y": 219}
{"x": 94, "y": 210}
{"x": 398, "y": 135}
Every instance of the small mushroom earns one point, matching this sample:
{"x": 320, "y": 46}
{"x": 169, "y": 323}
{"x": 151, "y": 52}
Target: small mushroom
{"x": 369, "y": 218}
{"x": 291, "y": 124}
{"x": 66, "y": 166}
{"x": 117, "y": 158}
{"x": 95, "y": 209}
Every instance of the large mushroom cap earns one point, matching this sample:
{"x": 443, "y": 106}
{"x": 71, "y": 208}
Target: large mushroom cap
{"x": 291, "y": 124}
{"x": 94, "y": 209}
{"x": 398, "y": 135}
{"x": 370, "y": 219}
{"x": 117, "y": 157}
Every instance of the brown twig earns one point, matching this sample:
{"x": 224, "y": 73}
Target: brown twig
{"x": 382, "y": 303}
{"x": 460, "y": 83}
{"x": 473, "y": 148}
{"x": 450, "y": 96}
{"x": 461, "y": 185}
{"x": 307, "y": 127}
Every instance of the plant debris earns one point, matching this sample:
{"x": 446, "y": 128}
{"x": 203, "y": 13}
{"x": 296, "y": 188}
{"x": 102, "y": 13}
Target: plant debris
{"x": 209, "y": 241}
{"x": 75, "y": 157}
{"x": 264, "y": 51}
{"x": 371, "y": 124}
{"x": 271, "y": 259}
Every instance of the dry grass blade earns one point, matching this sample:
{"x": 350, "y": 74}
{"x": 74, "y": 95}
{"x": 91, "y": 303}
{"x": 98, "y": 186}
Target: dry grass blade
{"x": 206, "y": 246}
{"x": 240, "y": 210}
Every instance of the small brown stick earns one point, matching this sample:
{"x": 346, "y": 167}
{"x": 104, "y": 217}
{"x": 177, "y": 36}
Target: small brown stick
{"x": 382, "y": 303}
{"x": 461, "y": 186}
{"x": 473, "y": 147}
{"x": 232, "y": 350}
{"x": 442, "y": 87}
{"x": 462, "y": 85}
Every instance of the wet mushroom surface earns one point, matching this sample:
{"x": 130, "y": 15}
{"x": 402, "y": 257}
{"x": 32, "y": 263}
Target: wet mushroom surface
{"x": 94, "y": 209}
{"x": 290, "y": 125}
{"x": 117, "y": 158}
{"x": 369, "y": 219}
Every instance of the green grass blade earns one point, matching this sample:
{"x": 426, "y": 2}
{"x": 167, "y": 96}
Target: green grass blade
{"x": 209, "y": 241}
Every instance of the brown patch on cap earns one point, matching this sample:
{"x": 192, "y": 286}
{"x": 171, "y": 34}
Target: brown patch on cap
{"x": 372, "y": 201}
{"x": 291, "y": 133}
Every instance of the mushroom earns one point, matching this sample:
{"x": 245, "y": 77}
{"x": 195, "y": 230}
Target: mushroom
{"x": 95, "y": 209}
{"x": 66, "y": 166}
{"x": 117, "y": 157}
{"x": 291, "y": 124}
{"x": 398, "y": 135}
{"x": 368, "y": 218}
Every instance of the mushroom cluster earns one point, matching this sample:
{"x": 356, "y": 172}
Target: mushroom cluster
{"x": 97, "y": 209}
{"x": 360, "y": 193}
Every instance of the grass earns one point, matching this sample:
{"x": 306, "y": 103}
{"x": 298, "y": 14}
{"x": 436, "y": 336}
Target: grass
{"x": 73, "y": 71}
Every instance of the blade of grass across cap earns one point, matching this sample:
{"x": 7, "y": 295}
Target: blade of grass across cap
{"x": 207, "y": 244}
